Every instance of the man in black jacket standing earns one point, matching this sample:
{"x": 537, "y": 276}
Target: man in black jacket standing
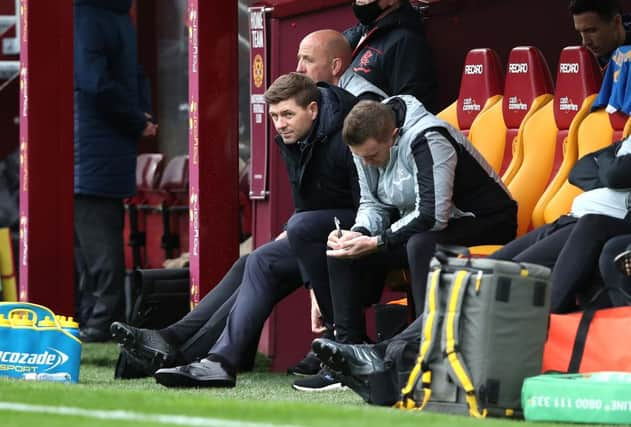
{"x": 111, "y": 114}
{"x": 390, "y": 49}
{"x": 308, "y": 119}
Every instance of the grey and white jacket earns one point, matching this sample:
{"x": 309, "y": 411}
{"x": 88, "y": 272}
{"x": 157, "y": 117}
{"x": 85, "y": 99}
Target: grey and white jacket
{"x": 360, "y": 87}
{"x": 434, "y": 175}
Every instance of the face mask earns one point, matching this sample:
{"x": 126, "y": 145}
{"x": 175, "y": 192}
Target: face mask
{"x": 367, "y": 13}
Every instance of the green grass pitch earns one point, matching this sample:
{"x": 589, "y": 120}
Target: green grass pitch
{"x": 261, "y": 399}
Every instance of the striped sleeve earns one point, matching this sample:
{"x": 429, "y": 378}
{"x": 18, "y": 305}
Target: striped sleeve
{"x": 434, "y": 164}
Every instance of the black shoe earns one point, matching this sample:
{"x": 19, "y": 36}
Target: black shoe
{"x": 350, "y": 360}
{"x": 89, "y": 334}
{"x": 146, "y": 345}
{"x": 205, "y": 373}
{"x": 310, "y": 365}
{"x": 129, "y": 367}
{"x": 322, "y": 381}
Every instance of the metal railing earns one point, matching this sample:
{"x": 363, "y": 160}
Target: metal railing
{"x": 8, "y": 69}
{"x": 11, "y": 46}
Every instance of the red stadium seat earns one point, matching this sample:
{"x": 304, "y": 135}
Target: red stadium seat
{"x": 168, "y": 206}
{"x": 578, "y": 81}
{"x": 148, "y": 174}
{"x": 481, "y": 87}
{"x": 496, "y": 133}
{"x": 550, "y": 138}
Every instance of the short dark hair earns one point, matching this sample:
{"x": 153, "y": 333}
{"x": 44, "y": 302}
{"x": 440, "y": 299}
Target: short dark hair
{"x": 368, "y": 119}
{"x": 292, "y": 86}
{"x": 606, "y": 9}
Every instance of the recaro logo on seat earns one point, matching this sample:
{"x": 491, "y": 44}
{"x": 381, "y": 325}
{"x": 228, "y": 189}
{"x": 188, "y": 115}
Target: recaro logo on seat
{"x": 568, "y": 68}
{"x": 473, "y": 69}
{"x": 518, "y": 68}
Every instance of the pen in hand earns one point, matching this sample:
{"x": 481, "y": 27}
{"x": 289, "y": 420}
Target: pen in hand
{"x": 336, "y": 221}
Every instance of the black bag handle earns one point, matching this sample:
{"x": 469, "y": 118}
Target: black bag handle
{"x": 583, "y": 327}
{"x": 579, "y": 342}
{"x": 592, "y": 301}
{"x": 444, "y": 251}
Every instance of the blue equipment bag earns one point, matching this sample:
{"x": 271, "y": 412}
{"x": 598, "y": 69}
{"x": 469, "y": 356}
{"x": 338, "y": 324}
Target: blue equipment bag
{"x": 37, "y": 345}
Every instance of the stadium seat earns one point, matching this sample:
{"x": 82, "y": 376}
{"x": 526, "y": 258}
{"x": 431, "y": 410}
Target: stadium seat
{"x": 166, "y": 213}
{"x": 148, "y": 174}
{"x": 578, "y": 81}
{"x": 533, "y": 90}
{"x": 174, "y": 182}
{"x": 597, "y": 130}
{"x": 550, "y": 138}
{"x": 608, "y": 122}
{"x": 481, "y": 87}
{"x": 546, "y": 130}
{"x": 496, "y": 132}
{"x": 174, "y": 190}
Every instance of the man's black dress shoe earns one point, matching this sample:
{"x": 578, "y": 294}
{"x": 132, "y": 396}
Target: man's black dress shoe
{"x": 146, "y": 345}
{"x": 89, "y": 334}
{"x": 205, "y": 373}
{"x": 361, "y": 368}
{"x": 348, "y": 359}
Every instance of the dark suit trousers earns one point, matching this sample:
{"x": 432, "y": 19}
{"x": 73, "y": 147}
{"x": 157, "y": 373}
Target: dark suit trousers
{"x": 198, "y": 331}
{"x": 99, "y": 259}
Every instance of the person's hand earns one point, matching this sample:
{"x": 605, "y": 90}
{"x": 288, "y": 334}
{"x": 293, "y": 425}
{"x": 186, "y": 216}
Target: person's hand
{"x": 282, "y": 235}
{"x": 317, "y": 324}
{"x": 151, "y": 129}
{"x": 350, "y": 245}
{"x": 337, "y": 237}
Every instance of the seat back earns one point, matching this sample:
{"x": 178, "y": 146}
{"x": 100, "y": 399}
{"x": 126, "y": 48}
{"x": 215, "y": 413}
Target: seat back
{"x": 545, "y": 133}
{"x": 578, "y": 80}
{"x": 174, "y": 182}
{"x": 481, "y": 86}
{"x": 149, "y": 171}
{"x": 608, "y": 122}
{"x": 595, "y": 132}
{"x": 148, "y": 174}
{"x": 527, "y": 87}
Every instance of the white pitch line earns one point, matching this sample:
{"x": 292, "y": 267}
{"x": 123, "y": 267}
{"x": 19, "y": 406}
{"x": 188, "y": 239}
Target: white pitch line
{"x": 132, "y": 416}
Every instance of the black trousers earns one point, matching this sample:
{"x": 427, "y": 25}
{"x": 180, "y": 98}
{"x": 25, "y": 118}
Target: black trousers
{"x": 356, "y": 282}
{"x": 571, "y": 248}
{"x": 99, "y": 260}
{"x": 197, "y": 332}
{"x": 271, "y": 272}
{"x": 305, "y": 233}
{"x": 610, "y": 273}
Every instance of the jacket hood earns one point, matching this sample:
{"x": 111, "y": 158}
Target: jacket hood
{"x": 405, "y": 16}
{"x": 117, "y": 6}
{"x": 335, "y": 103}
{"x": 409, "y": 112}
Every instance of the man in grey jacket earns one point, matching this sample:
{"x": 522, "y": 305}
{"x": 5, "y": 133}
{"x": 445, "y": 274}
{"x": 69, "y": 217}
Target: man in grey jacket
{"x": 422, "y": 183}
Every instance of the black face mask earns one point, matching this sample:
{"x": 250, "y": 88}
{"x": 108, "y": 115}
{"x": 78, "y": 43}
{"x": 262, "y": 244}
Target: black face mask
{"x": 367, "y": 13}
